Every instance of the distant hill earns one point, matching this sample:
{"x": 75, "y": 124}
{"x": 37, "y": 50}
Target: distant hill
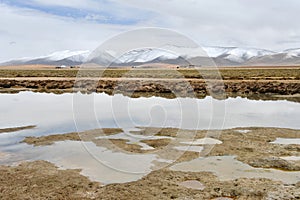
{"x": 221, "y": 56}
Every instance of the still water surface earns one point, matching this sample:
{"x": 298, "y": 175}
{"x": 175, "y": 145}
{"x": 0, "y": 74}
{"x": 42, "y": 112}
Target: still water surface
{"x": 55, "y": 114}
{"x": 62, "y": 113}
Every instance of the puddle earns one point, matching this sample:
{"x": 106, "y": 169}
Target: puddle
{"x": 189, "y": 148}
{"x": 286, "y": 141}
{"x": 98, "y": 163}
{"x": 134, "y": 138}
{"x": 192, "y": 184}
{"x": 164, "y": 160}
{"x": 291, "y": 158}
{"x": 203, "y": 141}
{"x": 228, "y": 168}
{"x": 4, "y": 155}
{"x": 243, "y": 131}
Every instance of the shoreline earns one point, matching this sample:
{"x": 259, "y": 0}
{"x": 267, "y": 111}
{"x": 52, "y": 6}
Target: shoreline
{"x": 261, "y": 82}
{"x": 15, "y": 129}
{"x": 178, "y": 164}
{"x": 249, "y": 147}
{"x": 169, "y": 88}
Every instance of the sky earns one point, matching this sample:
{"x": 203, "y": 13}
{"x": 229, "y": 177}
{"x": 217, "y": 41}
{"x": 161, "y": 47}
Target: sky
{"x": 40, "y": 27}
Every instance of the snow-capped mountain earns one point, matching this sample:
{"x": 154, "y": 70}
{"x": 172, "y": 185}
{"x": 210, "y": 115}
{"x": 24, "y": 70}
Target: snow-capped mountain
{"x": 145, "y": 55}
{"x": 75, "y": 56}
{"x": 290, "y": 53}
{"x": 233, "y": 54}
{"x": 222, "y": 56}
{"x": 236, "y": 54}
{"x": 225, "y": 55}
{"x": 57, "y": 58}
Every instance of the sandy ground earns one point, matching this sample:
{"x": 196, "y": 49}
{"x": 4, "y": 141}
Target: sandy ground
{"x": 252, "y": 146}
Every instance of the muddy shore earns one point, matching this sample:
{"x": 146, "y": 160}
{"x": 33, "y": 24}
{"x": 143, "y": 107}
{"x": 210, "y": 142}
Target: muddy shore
{"x": 168, "y": 88}
{"x": 252, "y": 146}
{"x": 14, "y": 129}
{"x": 42, "y": 180}
{"x": 281, "y": 82}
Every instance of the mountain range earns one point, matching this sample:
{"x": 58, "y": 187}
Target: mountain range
{"x": 221, "y": 56}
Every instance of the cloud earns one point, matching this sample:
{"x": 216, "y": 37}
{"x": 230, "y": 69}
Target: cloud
{"x": 255, "y": 23}
{"x": 37, "y": 27}
{"x": 35, "y": 33}
{"x": 102, "y": 11}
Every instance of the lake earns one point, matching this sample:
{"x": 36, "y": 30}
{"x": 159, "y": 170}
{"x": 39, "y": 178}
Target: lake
{"x": 56, "y": 114}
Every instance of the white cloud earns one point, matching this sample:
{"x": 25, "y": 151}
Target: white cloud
{"x": 26, "y": 33}
{"x": 270, "y": 24}
{"x": 116, "y": 9}
{"x": 262, "y": 24}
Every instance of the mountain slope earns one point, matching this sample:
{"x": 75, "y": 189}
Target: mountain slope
{"x": 222, "y": 56}
{"x": 57, "y": 58}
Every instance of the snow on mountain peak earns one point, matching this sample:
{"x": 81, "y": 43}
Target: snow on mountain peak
{"x": 236, "y": 54}
{"x": 290, "y": 53}
{"x": 76, "y": 56}
{"x": 145, "y": 55}
{"x": 216, "y": 51}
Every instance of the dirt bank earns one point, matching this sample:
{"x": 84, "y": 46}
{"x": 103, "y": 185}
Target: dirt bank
{"x": 14, "y": 129}
{"x": 170, "y": 88}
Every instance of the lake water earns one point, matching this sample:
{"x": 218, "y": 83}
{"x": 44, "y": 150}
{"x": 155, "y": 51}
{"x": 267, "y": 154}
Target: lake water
{"x": 55, "y": 114}
{"x": 70, "y": 112}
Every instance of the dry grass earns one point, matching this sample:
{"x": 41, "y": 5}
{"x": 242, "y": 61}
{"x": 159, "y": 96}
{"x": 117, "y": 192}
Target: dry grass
{"x": 225, "y": 73}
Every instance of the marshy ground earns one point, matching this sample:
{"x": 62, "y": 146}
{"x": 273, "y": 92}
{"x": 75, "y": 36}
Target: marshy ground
{"x": 266, "y": 161}
{"x": 261, "y": 167}
{"x": 255, "y": 83}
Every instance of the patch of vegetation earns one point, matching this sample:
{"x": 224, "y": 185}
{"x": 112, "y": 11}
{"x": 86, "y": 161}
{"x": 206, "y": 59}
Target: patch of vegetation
{"x": 226, "y": 74}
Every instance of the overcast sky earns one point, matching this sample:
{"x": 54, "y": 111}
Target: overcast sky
{"x": 39, "y": 27}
